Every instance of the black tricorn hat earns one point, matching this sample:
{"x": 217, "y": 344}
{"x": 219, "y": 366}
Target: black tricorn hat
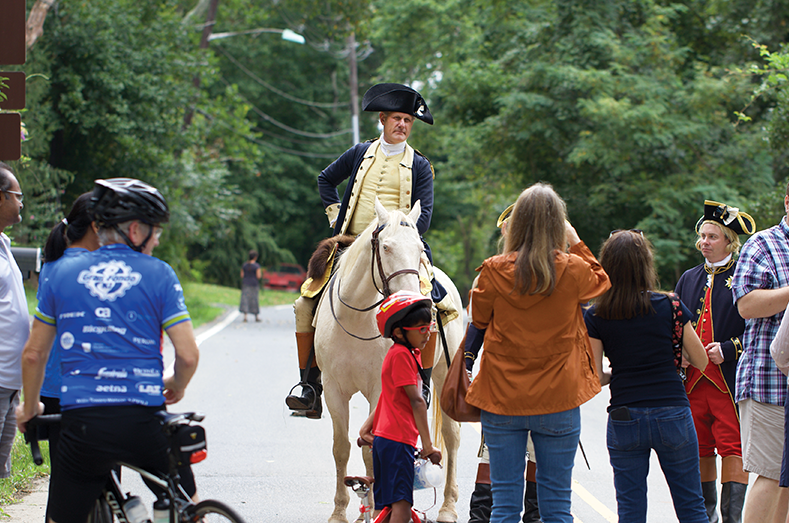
{"x": 398, "y": 98}
{"x": 730, "y": 217}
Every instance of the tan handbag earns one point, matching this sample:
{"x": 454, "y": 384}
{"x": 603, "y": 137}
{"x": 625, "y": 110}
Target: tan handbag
{"x": 453, "y": 395}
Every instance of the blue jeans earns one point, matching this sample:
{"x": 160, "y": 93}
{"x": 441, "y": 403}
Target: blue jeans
{"x": 670, "y": 431}
{"x": 555, "y": 439}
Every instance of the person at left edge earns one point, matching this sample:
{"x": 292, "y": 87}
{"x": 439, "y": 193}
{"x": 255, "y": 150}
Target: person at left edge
{"x": 386, "y": 168}
{"x": 107, "y": 313}
{"x": 14, "y": 319}
{"x": 706, "y": 289}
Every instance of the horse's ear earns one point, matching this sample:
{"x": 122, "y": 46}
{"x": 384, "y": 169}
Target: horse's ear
{"x": 416, "y": 211}
{"x": 380, "y": 210}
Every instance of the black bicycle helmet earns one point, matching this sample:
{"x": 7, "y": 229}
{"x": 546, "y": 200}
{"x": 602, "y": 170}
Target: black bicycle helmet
{"x": 119, "y": 200}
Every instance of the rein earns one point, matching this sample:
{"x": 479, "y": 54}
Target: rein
{"x": 385, "y": 292}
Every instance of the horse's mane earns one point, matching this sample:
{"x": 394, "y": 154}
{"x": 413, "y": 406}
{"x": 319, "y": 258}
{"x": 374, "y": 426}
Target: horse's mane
{"x": 319, "y": 260}
{"x": 361, "y": 245}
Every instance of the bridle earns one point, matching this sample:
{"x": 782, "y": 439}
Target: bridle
{"x": 375, "y": 261}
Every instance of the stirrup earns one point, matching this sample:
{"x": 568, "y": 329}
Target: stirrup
{"x": 305, "y": 385}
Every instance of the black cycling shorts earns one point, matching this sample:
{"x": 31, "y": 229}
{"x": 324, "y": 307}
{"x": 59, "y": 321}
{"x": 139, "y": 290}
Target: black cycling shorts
{"x": 92, "y": 441}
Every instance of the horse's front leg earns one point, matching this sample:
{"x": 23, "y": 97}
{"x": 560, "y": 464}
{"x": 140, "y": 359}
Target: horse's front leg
{"x": 337, "y": 403}
{"x": 450, "y": 432}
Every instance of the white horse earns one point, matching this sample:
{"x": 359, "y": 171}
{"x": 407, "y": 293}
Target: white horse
{"x": 349, "y": 350}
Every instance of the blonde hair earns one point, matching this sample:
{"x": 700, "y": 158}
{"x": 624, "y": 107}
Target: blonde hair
{"x": 535, "y": 231}
{"x": 734, "y": 239}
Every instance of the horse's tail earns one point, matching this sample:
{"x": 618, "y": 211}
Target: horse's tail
{"x": 319, "y": 260}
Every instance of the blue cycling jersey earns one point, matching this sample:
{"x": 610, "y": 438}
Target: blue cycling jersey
{"x": 51, "y": 385}
{"x": 109, "y": 307}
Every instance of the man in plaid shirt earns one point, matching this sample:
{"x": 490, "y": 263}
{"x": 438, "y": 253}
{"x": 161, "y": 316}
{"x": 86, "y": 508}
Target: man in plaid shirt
{"x": 761, "y": 293}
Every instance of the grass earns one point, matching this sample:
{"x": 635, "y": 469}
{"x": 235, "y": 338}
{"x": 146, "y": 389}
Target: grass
{"x": 205, "y": 303}
{"x": 22, "y": 472}
{"x": 204, "y": 300}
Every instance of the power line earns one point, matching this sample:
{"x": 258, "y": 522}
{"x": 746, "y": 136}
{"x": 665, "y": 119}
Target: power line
{"x": 268, "y": 144}
{"x": 274, "y": 89}
{"x": 287, "y": 127}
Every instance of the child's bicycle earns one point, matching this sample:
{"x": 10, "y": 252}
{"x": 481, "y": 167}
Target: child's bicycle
{"x": 187, "y": 442}
{"x": 362, "y": 486}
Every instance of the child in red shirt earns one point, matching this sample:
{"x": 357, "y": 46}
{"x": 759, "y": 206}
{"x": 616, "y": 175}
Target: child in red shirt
{"x": 401, "y": 413}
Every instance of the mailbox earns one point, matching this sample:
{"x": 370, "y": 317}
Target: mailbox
{"x": 28, "y": 259}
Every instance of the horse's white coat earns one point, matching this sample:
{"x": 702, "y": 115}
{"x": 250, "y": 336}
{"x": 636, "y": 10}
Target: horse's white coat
{"x": 350, "y": 365}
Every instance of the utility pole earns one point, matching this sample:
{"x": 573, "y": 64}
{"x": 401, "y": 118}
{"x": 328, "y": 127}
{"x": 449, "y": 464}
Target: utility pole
{"x": 354, "y": 81}
{"x": 210, "y": 20}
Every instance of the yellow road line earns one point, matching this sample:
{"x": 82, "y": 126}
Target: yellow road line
{"x": 593, "y": 502}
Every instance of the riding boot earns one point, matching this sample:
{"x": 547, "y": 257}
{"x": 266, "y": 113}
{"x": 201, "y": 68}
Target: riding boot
{"x": 710, "y": 493}
{"x": 481, "y": 499}
{"x": 310, "y": 398}
{"x": 428, "y": 357}
{"x": 732, "y": 500}
{"x": 531, "y": 510}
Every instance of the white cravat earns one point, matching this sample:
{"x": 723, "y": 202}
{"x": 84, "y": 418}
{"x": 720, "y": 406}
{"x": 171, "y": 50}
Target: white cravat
{"x": 390, "y": 149}
{"x": 721, "y": 263}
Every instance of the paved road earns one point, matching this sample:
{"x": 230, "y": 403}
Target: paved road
{"x": 274, "y": 467}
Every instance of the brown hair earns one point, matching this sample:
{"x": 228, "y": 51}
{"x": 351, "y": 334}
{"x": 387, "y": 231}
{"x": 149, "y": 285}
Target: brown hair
{"x": 535, "y": 231}
{"x": 627, "y": 259}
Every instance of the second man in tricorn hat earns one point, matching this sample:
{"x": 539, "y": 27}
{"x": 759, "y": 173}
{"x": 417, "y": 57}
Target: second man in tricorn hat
{"x": 386, "y": 168}
{"x": 706, "y": 290}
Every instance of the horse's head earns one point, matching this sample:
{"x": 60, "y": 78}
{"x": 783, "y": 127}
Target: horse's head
{"x": 399, "y": 248}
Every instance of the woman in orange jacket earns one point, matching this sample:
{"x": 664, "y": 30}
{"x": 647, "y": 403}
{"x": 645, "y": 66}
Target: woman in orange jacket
{"x": 537, "y": 367}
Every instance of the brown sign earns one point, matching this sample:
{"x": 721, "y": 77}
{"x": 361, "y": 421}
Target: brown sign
{"x": 12, "y": 27}
{"x": 10, "y": 142}
{"x": 15, "y": 91}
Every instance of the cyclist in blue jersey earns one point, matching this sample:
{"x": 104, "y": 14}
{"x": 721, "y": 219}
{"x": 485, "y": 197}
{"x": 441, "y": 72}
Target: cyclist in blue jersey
{"x": 107, "y": 314}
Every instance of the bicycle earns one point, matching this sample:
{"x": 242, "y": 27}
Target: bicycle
{"x": 362, "y": 486}
{"x": 175, "y": 506}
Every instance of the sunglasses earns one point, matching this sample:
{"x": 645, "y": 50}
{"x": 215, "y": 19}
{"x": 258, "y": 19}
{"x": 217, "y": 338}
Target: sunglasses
{"x": 424, "y": 329}
{"x": 637, "y": 231}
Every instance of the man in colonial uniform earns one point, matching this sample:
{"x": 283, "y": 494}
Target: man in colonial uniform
{"x": 706, "y": 290}
{"x": 386, "y": 168}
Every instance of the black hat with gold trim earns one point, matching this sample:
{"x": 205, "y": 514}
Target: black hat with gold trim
{"x": 396, "y": 98}
{"x": 503, "y": 217}
{"x": 730, "y": 217}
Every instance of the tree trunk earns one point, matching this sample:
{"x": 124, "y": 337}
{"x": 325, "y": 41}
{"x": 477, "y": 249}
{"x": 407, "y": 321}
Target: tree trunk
{"x": 35, "y": 21}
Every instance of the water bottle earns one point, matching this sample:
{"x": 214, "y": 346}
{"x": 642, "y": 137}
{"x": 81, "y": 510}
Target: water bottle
{"x": 161, "y": 511}
{"x": 427, "y": 475}
{"x": 135, "y": 510}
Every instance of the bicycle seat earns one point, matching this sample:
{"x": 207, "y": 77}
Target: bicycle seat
{"x": 170, "y": 418}
{"x": 350, "y": 481}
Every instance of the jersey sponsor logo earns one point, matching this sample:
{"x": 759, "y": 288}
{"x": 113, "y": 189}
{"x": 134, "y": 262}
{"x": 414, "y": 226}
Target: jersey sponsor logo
{"x": 101, "y": 329}
{"x": 110, "y": 280}
{"x": 86, "y": 347}
{"x": 149, "y": 388}
{"x": 146, "y": 373}
{"x": 68, "y": 315}
{"x": 103, "y": 312}
{"x": 131, "y": 315}
{"x": 111, "y": 388}
{"x": 143, "y": 341}
{"x": 105, "y": 373}
{"x": 66, "y": 340}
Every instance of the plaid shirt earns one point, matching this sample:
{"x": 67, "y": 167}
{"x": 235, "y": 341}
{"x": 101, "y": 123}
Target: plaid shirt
{"x": 763, "y": 264}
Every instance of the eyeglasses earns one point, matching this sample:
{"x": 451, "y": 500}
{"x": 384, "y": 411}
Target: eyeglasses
{"x": 424, "y": 329}
{"x": 157, "y": 232}
{"x": 19, "y": 195}
{"x": 637, "y": 231}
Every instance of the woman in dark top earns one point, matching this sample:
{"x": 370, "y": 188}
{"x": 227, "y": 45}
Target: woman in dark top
{"x": 632, "y": 324}
{"x": 250, "y": 286}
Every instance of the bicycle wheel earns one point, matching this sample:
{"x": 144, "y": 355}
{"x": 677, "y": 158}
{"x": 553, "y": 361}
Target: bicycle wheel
{"x": 212, "y": 511}
{"x": 101, "y": 512}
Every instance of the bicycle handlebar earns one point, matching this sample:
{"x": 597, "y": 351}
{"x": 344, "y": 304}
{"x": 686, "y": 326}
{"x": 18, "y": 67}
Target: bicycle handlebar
{"x": 31, "y": 434}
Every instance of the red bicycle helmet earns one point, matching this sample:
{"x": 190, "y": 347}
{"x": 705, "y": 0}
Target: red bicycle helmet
{"x": 396, "y": 307}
